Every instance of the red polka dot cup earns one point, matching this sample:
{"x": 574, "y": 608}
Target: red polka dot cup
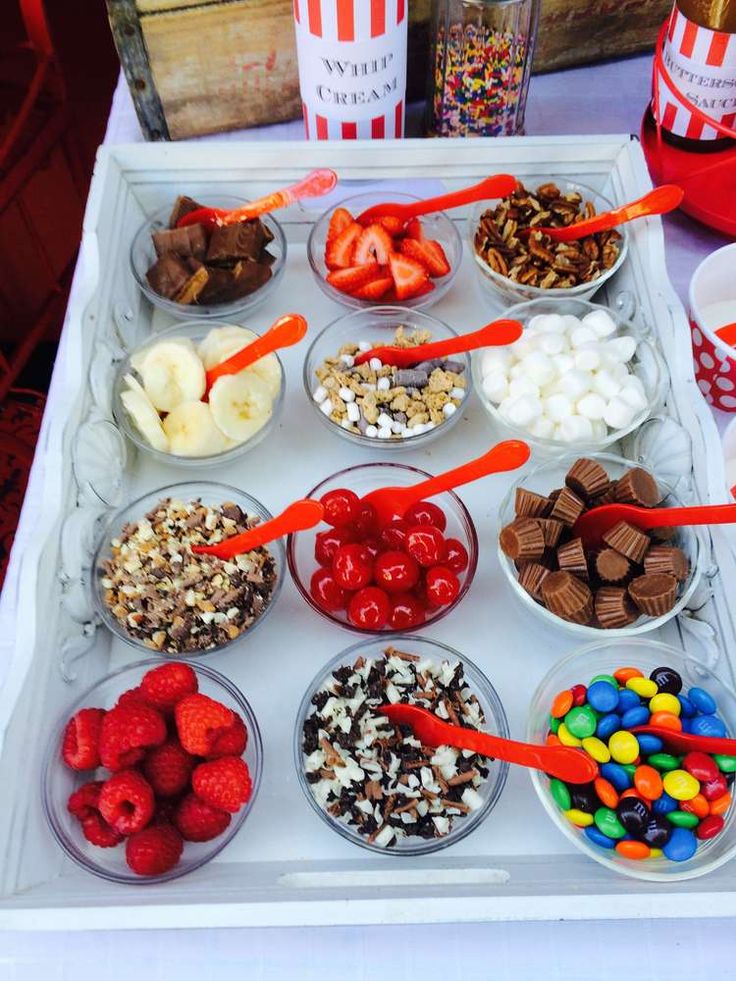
{"x": 712, "y": 300}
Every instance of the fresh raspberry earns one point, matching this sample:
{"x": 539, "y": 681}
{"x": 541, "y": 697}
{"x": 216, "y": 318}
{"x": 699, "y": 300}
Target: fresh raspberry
{"x": 198, "y": 821}
{"x": 154, "y": 850}
{"x": 85, "y": 800}
{"x": 127, "y": 731}
{"x": 80, "y": 745}
{"x": 98, "y": 832}
{"x": 133, "y": 696}
{"x": 168, "y": 768}
{"x": 230, "y": 742}
{"x": 200, "y": 721}
{"x": 166, "y": 685}
{"x": 223, "y": 783}
{"x": 127, "y": 802}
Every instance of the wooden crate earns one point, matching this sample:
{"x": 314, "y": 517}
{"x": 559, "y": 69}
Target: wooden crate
{"x": 203, "y": 66}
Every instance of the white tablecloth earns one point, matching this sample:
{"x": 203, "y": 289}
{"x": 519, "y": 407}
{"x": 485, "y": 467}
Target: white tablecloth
{"x": 601, "y": 99}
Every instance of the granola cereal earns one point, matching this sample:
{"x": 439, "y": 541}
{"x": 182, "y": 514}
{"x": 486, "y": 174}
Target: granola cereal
{"x": 382, "y": 401}
{"x": 533, "y": 258}
{"x": 174, "y": 601}
{"x": 377, "y": 777}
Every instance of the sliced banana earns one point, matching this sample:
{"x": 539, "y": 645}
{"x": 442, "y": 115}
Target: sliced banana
{"x": 138, "y": 357}
{"x": 143, "y": 415}
{"x": 172, "y": 373}
{"x": 241, "y": 405}
{"x": 268, "y": 370}
{"x": 192, "y": 431}
{"x": 222, "y": 342}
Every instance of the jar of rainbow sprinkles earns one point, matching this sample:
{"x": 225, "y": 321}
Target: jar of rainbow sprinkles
{"x": 480, "y": 62}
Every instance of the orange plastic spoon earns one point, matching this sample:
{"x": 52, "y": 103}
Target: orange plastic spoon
{"x": 393, "y": 502}
{"x": 297, "y": 517}
{"x": 497, "y": 186}
{"x": 284, "y": 332}
{"x": 314, "y": 185}
{"x": 727, "y": 334}
{"x": 563, "y": 762}
{"x": 495, "y": 334}
{"x": 656, "y": 202}
{"x": 592, "y": 525}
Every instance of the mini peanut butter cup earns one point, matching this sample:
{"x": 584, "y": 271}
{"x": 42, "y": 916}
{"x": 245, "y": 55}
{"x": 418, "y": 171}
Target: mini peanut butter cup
{"x": 608, "y": 496}
{"x": 531, "y": 505}
{"x": 611, "y": 566}
{"x": 613, "y": 608}
{"x": 567, "y": 597}
{"x": 662, "y": 533}
{"x": 551, "y": 529}
{"x": 637, "y": 487}
{"x": 654, "y": 593}
{"x": 522, "y": 540}
{"x": 587, "y": 478}
{"x": 627, "y": 540}
{"x": 531, "y": 577}
{"x": 669, "y": 559}
{"x": 571, "y": 558}
{"x": 567, "y": 507}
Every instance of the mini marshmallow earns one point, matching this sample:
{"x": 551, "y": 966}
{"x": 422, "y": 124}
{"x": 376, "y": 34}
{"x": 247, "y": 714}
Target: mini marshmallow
{"x": 552, "y": 343}
{"x": 605, "y": 384}
{"x": 375, "y": 364}
{"x": 571, "y": 322}
{"x": 600, "y": 322}
{"x": 618, "y": 414}
{"x": 592, "y": 406}
{"x": 371, "y": 431}
{"x": 457, "y": 393}
{"x": 588, "y": 359}
{"x": 383, "y": 384}
{"x": 364, "y": 346}
{"x": 521, "y": 411}
{"x": 558, "y": 407}
{"x": 576, "y": 429}
{"x": 396, "y": 427}
{"x": 621, "y": 348}
{"x": 353, "y": 411}
{"x": 449, "y": 409}
{"x": 551, "y": 323}
{"x": 348, "y": 360}
{"x": 346, "y": 424}
{"x": 494, "y": 359}
{"x": 384, "y": 421}
{"x": 542, "y": 428}
{"x": 538, "y": 368}
{"x": 384, "y": 432}
{"x": 517, "y": 370}
{"x": 346, "y": 394}
{"x": 495, "y": 387}
{"x": 523, "y": 386}
{"x": 326, "y": 407}
{"x": 575, "y": 383}
{"x": 633, "y": 395}
{"x": 319, "y": 394}
{"x": 563, "y": 363}
{"x": 582, "y": 335}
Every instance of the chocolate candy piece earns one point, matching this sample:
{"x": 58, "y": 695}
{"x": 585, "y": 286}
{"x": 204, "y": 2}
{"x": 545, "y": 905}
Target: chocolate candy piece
{"x": 627, "y": 540}
{"x": 531, "y": 577}
{"x": 611, "y": 566}
{"x": 182, "y": 206}
{"x": 522, "y": 539}
{"x": 531, "y": 505}
{"x": 190, "y": 240}
{"x": 571, "y": 558}
{"x": 669, "y": 559}
{"x": 168, "y": 276}
{"x": 567, "y": 597}
{"x": 613, "y": 608}
{"x": 242, "y": 240}
{"x": 634, "y": 814}
{"x": 193, "y": 287}
{"x": 637, "y": 486}
{"x": 226, "y": 285}
{"x": 662, "y": 533}
{"x": 551, "y": 530}
{"x": 667, "y": 679}
{"x": 567, "y": 507}
{"x": 607, "y": 497}
{"x": 654, "y": 593}
{"x": 587, "y": 478}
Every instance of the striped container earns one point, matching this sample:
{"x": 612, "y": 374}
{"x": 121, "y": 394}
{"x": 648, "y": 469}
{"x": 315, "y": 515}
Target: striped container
{"x": 352, "y": 67}
{"x": 701, "y": 65}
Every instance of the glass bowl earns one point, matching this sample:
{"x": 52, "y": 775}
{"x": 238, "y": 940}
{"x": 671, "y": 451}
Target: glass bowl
{"x": 505, "y": 290}
{"x": 646, "y": 365}
{"x": 551, "y": 474}
{"x": 195, "y": 331}
{"x": 496, "y": 723}
{"x": 143, "y": 255}
{"x": 210, "y": 493}
{"x": 436, "y": 226}
{"x": 362, "y": 479}
{"x": 377, "y": 326}
{"x": 58, "y": 781}
{"x": 604, "y": 657}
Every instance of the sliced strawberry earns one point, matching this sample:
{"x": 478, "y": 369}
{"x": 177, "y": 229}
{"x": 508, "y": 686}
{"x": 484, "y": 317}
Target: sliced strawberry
{"x": 339, "y": 252}
{"x": 414, "y": 230}
{"x": 428, "y": 254}
{"x": 347, "y": 280}
{"x": 374, "y": 244}
{"x": 375, "y": 289}
{"x": 339, "y": 221}
{"x": 394, "y": 226}
{"x": 408, "y": 275}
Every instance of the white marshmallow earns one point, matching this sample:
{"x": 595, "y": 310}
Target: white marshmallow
{"x": 495, "y": 387}
{"x": 558, "y": 407}
{"x": 551, "y": 323}
{"x": 396, "y": 427}
{"x": 517, "y": 370}
{"x": 582, "y": 335}
{"x": 634, "y": 395}
{"x": 618, "y": 414}
{"x": 552, "y": 343}
{"x": 346, "y": 394}
{"x": 523, "y": 386}
{"x": 383, "y": 384}
{"x": 575, "y": 383}
{"x": 563, "y": 363}
{"x": 605, "y": 384}
{"x": 384, "y": 432}
{"x": 353, "y": 412}
{"x": 538, "y": 368}
{"x": 348, "y": 360}
{"x": 457, "y": 393}
{"x": 384, "y": 421}
{"x": 621, "y": 348}
{"x": 588, "y": 359}
{"x": 346, "y": 424}
{"x": 521, "y": 411}
{"x": 542, "y": 428}
{"x": 571, "y": 322}
{"x": 519, "y": 349}
{"x": 375, "y": 364}
{"x": 495, "y": 359}
{"x": 364, "y": 346}
{"x": 319, "y": 394}
{"x": 371, "y": 431}
{"x": 600, "y": 322}
{"x": 326, "y": 407}
{"x": 592, "y": 406}
{"x": 449, "y": 409}
{"x": 576, "y": 429}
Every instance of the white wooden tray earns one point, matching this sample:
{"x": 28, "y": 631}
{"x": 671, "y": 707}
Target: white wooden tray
{"x": 286, "y": 867}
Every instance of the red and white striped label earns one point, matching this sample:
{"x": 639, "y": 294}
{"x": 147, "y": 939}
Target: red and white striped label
{"x": 702, "y": 64}
{"x": 352, "y": 67}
